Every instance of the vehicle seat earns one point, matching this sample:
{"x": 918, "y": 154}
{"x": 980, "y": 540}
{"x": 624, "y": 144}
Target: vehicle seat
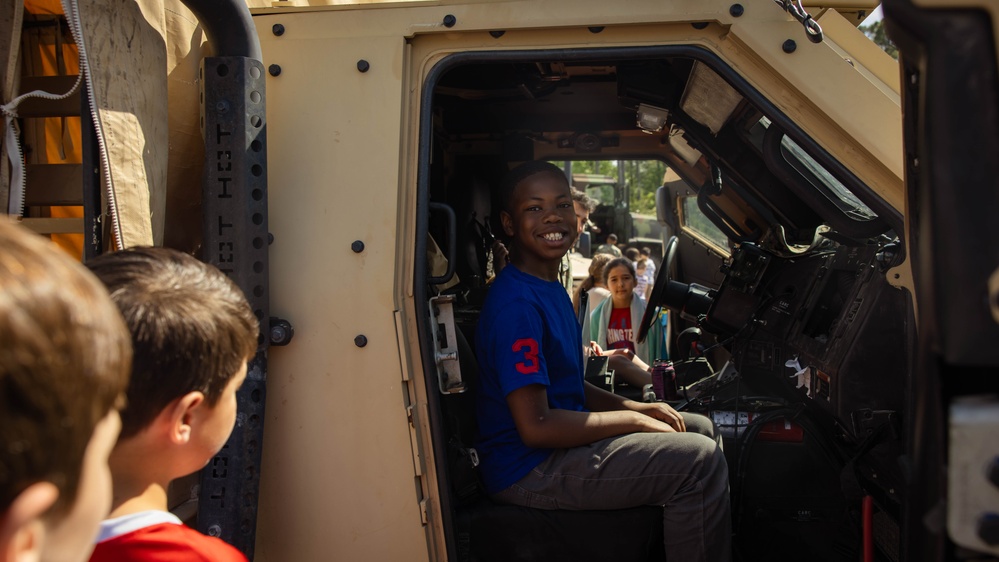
{"x": 471, "y": 190}
{"x": 490, "y": 532}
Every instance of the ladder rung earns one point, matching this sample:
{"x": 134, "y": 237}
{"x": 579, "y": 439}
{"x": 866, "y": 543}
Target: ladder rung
{"x": 47, "y": 225}
{"x": 39, "y": 107}
{"x": 54, "y": 185}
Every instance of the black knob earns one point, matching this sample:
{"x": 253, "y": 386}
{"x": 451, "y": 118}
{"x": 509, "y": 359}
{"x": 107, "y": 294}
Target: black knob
{"x": 281, "y": 331}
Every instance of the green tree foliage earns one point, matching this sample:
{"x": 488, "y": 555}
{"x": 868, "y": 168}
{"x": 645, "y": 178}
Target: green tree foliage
{"x": 877, "y": 33}
{"x": 600, "y": 167}
{"x": 641, "y": 177}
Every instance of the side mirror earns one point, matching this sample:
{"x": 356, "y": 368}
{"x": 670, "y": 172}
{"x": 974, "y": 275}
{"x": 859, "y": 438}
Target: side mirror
{"x": 664, "y": 206}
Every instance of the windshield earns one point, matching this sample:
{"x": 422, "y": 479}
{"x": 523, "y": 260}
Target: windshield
{"x": 815, "y": 174}
{"x": 819, "y": 177}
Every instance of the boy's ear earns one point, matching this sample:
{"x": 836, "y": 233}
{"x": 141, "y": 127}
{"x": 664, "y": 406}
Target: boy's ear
{"x": 181, "y": 413}
{"x": 507, "y": 221}
{"x": 22, "y": 531}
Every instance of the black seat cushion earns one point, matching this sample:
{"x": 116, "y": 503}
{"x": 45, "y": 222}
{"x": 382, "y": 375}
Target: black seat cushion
{"x": 488, "y": 532}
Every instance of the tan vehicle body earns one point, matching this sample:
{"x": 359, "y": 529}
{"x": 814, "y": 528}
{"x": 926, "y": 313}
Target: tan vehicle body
{"x": 347, "y": 473}
{"x": 348, "y": 466}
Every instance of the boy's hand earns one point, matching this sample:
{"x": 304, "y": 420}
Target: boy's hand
{"x": 660, "y": 411}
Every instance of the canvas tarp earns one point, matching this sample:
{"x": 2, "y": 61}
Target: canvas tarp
{"x": 144, "y": 57}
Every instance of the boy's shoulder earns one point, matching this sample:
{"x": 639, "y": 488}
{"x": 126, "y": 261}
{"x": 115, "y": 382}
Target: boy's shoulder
{"x": 519, "y": 302}
{"x": 514, "y": 288}
{"x": 152, "y": 536}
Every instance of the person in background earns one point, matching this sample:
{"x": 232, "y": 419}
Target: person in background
{"x": 64, "y": 360}
{"x": 593, "y": 286}
{"x": 614, "y": 324}
{"x": 629, "y": 367}
{"x": 582, "y": 205}
{"x": 650, "y": 264}
{"x": 610, "y": 247}
{"x": 641, "y": 281}
{"x": 193, "y": 333}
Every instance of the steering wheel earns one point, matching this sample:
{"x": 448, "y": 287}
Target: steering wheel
{"x": 659, "y": 289}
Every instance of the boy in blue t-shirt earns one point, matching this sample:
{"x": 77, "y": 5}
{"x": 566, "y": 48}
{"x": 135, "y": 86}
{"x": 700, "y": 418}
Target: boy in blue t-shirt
{"x": 552, "y": 441}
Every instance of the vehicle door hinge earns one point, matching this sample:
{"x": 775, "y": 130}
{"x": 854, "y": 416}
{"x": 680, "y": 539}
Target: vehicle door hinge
{"x": 414, "y": 442}
{"x": 423, "y": 511}
{"x": 445, "y": 344}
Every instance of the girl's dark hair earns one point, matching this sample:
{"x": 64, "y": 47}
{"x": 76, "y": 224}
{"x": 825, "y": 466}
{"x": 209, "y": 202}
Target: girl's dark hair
{"x": 596, "y": 271}
{"x": 617, "y": 262}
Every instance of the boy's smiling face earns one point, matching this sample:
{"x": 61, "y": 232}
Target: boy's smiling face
{"x": 541, "y": 222}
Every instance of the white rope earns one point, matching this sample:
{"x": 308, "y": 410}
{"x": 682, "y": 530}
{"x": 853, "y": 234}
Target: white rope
{"x": 15, "y": 204}
{"x": 16, "y": 156}
{"x": 72, "y": 11}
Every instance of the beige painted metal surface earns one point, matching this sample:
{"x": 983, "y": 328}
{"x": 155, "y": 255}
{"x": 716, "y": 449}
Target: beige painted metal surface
{"x": 338, "y": 477}
{"x": 346, "y": 475}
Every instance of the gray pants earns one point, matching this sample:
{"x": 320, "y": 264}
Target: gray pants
{"x": 683, "y": 472}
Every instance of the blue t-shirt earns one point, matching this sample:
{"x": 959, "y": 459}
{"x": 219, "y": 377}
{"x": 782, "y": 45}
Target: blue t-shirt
{"x": 527, "y": 334}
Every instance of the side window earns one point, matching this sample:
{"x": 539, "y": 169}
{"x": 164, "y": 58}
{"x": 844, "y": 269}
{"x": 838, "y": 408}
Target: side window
{"x": 695, "y": 224}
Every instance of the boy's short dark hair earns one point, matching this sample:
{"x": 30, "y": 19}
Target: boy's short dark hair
{"x": 583, "y": 199}
{"x": 191, "y": 326}
{"x": 521, "y": 173}
{"x": 64, "y": 362}
{"x": 632, "y": 254}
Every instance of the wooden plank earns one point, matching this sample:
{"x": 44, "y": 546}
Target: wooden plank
{"x": 53, "y": 226}
{"x": 11, "y": 20}
{"x": 38, "y": 107}
{"x": 54, "y": 185}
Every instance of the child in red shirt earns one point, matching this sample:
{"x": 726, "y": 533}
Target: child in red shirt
{"x": 614, "y": 324}
{"x": 192, "y": 334}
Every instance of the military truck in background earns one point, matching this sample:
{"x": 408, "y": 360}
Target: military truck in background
{"x": 614, "y": 214}
{"x": 828, "y": 257}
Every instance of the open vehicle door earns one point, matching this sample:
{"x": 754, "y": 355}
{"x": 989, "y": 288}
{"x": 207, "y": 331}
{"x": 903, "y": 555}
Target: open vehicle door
{"x": 950, "y": 97}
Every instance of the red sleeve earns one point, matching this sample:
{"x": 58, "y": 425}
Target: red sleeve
{"x": 165, "y": 542}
